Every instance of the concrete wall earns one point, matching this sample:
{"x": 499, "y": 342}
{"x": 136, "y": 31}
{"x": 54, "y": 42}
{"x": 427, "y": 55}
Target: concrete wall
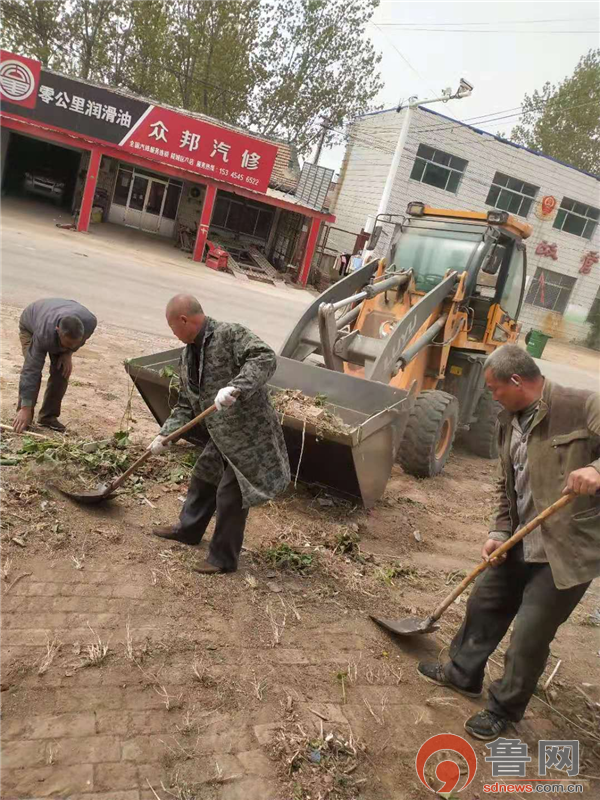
{"x": 362, "y": 177}
{"x": 486, "y": 155}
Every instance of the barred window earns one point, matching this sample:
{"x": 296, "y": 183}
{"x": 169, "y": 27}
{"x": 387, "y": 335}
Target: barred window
{"x": 577, "y": 218}
{"x": 550, "y": 290}
{"x": 512, "y": 195}
{"x": 439, "y": 169}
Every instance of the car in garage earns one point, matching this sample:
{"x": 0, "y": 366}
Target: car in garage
{"x": 45, "y": 182}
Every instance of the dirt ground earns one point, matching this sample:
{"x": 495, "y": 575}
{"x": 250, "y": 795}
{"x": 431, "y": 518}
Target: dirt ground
{"x": 126, "y": 676}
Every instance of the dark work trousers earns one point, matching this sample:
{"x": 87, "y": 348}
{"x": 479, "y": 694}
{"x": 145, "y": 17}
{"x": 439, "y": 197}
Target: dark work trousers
{"x": 56, "y": 387}
{"x": 519, "y": 591}
{"x": 202, "y": 500}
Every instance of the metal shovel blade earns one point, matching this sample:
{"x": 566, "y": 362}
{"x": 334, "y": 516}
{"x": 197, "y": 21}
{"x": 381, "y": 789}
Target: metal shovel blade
{"x": 98, "y": 495}
{"x": 407, "y": 626}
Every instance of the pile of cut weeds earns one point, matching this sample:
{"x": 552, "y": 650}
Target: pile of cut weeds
{"x": 309, "y": 410}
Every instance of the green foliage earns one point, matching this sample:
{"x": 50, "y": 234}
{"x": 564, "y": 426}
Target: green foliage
{"x": 346, "y": 541}
{"x": 104, "y": 459}
{"x": 563, "y": 121}
{"x": 286, "y": 557}
{"x": 395, "y": 570}
{"x": 277, "y": 67}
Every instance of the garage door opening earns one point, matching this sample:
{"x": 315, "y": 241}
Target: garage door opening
{"x": 40, "y": 170}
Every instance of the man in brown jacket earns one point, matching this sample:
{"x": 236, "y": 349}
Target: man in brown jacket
{"x": 549, "y": 443}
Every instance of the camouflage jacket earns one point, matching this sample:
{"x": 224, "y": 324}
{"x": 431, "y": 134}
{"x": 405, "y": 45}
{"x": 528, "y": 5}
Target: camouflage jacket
{"x": 247, "y": 435}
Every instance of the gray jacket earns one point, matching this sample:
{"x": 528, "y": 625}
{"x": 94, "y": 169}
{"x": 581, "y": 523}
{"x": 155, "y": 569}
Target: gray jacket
{"x": 41, "y": 319}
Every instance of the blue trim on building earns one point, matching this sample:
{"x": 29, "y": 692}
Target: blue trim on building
{"x": 492, "y": 136}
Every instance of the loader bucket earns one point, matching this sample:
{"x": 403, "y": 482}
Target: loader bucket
{"x": 355, "y": 463}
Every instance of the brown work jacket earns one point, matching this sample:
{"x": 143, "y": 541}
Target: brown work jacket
{"x": 564, "y": 436}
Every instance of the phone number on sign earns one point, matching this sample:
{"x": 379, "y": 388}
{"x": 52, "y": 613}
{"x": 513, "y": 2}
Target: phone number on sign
{"x": 239, "y": 177}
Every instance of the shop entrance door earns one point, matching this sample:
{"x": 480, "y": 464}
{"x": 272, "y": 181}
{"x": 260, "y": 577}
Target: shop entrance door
{"x": 145, "y": 201}
{"x": 155, "y": 197}
{"x": 136, "y": 201}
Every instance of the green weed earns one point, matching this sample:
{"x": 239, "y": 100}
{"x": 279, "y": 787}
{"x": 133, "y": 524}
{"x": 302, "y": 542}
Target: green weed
{"x": 286, "y": 557}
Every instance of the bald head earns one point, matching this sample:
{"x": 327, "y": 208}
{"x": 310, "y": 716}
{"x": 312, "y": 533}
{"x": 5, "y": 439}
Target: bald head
{"x": 185, "y": 317}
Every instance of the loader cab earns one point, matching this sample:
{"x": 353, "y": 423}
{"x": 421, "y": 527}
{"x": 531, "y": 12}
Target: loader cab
{"x": 493, "y": 255}
{"x": 430, "y": 248}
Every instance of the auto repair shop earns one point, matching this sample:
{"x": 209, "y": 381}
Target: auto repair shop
{"x": 113, "y": 157}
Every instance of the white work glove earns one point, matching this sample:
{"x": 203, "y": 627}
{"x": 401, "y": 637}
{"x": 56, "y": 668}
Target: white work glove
{"x": 157, "y": 445}
{"x": 225, "y": 397}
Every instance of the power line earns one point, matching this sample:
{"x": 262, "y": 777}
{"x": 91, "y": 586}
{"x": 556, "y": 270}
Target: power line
{"x": 402, "y": 56}
{"x": 489, "y": 22}
{"x": 479, "y": 31}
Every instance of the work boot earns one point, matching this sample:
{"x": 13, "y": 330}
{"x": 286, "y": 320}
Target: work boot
{"x": 433, "y": 672}
{"x": 172, "y": 533}
{"x": 206, "y": 568}
{"x": 486, "y": 725}
{"x": 53, "y": 423}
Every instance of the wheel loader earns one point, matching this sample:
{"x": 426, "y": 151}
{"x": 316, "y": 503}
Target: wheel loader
{"x": 395, "y": 351}
{"x": 424, "y": 319}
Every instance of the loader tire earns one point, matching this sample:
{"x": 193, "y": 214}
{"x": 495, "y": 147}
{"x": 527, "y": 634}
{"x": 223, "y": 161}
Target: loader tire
{"x": 481, "y": 438}
{"x": 429, "y": 435}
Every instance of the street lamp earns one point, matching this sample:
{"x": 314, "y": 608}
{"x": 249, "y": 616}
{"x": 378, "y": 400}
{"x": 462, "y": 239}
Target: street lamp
{"x": 464, "y": 90}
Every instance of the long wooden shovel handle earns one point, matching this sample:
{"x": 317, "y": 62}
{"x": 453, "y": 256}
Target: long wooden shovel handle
{"x": 146, "y": 455}
{"x": 504, "y": 548}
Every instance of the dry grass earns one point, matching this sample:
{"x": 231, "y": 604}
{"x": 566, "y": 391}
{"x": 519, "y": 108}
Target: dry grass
{"x": 170, "y": 701}
{"x": 316, "y": 762}
{"x": 51, "y": 753}
{"x": 52, "y": 649}
{"x": 96, "y": 651}
{"x": 379, "y": 717}
{"x": 276, "y": 621}
{"x": 259, "y": 686}
{"x": 6, "y": 568}
{"x": 250, "y": 581}
{"x": 128, "y": 642}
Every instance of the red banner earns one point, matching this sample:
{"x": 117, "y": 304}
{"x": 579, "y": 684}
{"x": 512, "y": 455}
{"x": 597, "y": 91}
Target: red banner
{"x": 19, "y": 79}
{"x": 192, "y": 144}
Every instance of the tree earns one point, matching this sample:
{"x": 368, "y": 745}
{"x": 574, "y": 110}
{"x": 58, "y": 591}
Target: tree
{"x": 563, "y": 121}
{"x": 313, "y": 63}
{"x": 35, "y": 29}
{"x": 279, "y": 67}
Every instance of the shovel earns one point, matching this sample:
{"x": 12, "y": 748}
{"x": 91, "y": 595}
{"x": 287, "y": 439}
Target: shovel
{"x": 106, "y": 491}
{"x": 411, "y": 625}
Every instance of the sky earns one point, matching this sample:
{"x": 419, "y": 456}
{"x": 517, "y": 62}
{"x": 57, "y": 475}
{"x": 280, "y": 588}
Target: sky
{"x": 505, "y": 49}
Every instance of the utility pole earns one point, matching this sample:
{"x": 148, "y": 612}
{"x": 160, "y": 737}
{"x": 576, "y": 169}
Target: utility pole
{"x": 321, "y": 142}
{"x": 464, "y": 90}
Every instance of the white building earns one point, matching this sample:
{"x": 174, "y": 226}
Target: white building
{"x": 448, "y": 164}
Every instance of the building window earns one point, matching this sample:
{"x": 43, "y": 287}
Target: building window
{"x": 550, "y": 290}
{"x": 242, "y": 217}
{"x": 577, "y": 218}
{"x": 438, "y": 169}
{"x": 512, "y": 195}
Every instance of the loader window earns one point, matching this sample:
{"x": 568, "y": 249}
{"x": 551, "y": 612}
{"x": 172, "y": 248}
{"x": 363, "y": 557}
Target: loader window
{"x": 512, "y": 291}
{"x": 431, "y": 253}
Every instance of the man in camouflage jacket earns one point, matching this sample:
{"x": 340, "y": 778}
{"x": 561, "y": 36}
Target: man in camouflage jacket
{"x": 245, "y": 461}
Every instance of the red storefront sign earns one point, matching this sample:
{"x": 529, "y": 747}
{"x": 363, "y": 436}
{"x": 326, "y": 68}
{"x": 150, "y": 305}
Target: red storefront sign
{"x": 171, "y": 138}
{"x": 19, "y": 79}
{"x": 99, "y": 114}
